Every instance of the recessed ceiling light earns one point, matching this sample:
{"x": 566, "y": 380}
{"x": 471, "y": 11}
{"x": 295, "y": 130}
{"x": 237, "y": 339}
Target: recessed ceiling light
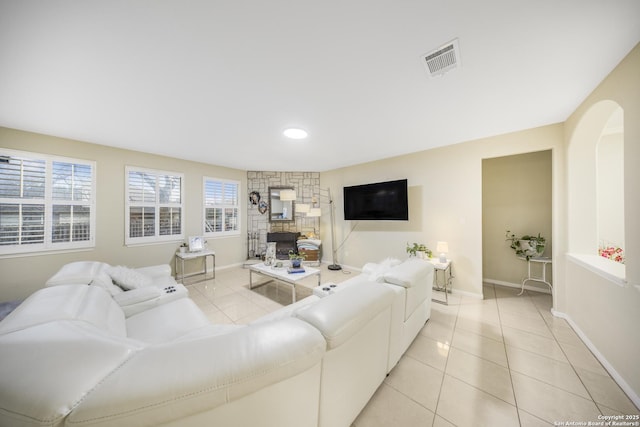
{"x": 295, "y": 133}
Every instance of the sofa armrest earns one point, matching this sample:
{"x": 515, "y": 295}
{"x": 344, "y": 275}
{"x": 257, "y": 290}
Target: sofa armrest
{"x": 138, "y": 300}
{"x": 409, "y": 273}
{"x": 171, "y": 381}
{"x": 136, "y": 296}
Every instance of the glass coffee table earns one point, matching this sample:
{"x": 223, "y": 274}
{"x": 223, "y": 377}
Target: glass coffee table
{"x": 282, "y": 274}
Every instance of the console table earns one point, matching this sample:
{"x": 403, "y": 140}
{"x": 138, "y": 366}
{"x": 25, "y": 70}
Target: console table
{"x": 182, "y": 256}
{"x": 543, "y": 279}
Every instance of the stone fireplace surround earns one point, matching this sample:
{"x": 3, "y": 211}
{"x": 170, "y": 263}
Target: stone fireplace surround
{"x": 306, "y": 185}
{"x": 285, "y": 241}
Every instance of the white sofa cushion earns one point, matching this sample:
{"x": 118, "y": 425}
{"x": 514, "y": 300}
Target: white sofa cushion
{"x": 166, "y": 322}
{"x": 339, "y": 316}
{"x": 48, "y": 369}
{"x": 408, "y": 273}
{"x": 84, "y": 273}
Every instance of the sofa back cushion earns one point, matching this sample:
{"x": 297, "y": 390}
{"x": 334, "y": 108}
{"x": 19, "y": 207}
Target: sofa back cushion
{"x": 409, "y": 273}
{"x": 166, "y": 322}
{"x": 85, "y": 273}
{"x": 416, "y": 276}
{"x": 87, "y": 305}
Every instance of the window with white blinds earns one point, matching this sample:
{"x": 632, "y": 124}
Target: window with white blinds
{"x": 154, "y": 206}
{"x": 46, "y": 203}
{"x": 221, "y": 207}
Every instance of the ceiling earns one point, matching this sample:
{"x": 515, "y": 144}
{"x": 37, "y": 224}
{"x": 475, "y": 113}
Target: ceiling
{"x": 218, "y": 81}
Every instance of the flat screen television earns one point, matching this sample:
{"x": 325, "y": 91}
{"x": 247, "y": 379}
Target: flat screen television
{"x": 377, "y": 201}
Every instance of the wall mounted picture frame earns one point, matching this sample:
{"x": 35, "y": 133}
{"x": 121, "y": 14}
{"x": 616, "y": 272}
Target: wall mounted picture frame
{"x": 263, "y": 207}
{"x": 254, "y": 197}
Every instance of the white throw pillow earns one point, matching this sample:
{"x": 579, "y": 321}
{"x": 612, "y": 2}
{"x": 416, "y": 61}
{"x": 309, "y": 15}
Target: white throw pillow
{"x": 128, "y": 278}
{"x": 408, "y": 273}
{"x": 376, "y": 272}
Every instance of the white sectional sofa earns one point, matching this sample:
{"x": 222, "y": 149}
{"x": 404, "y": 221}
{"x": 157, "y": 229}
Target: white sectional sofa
{"x": 71, "y": 356}
{"x": 134, "y": 289}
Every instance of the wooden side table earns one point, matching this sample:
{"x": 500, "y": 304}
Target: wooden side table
{"x": 444, "y": 268}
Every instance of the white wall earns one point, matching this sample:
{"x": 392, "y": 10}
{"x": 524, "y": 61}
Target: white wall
{"x": 445, "y": 201}
{"x": 604, "y": 312}
{"x": 610, "y": 196}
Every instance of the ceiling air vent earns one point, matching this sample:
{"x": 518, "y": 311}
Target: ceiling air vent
{"x": 443, "y": 59}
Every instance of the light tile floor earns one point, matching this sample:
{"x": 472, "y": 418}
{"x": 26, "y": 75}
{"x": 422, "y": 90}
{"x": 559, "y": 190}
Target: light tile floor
{"x": 501, "y": 361}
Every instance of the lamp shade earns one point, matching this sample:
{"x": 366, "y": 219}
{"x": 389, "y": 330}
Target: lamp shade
{"x": 303, "y": 207}
{"x": 314, "y": 212}
{"x": 287, "y": 195}
{"x": 442, "y": 248}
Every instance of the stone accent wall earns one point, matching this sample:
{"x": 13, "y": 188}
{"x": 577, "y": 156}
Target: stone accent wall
{"x": 306, "y": 185}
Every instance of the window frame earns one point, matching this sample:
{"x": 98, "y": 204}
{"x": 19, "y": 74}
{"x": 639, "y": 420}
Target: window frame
{"x": 49, "y": 202}
{"x": 156, "y": 205}
{"x": 223, "y": 206}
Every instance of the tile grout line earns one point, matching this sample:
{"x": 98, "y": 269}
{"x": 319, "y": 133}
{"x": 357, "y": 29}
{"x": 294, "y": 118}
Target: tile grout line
{"x": 506, "y": 355}
{"x": 444, "y": 372}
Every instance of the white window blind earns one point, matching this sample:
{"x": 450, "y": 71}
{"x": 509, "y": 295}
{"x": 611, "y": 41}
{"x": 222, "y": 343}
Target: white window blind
{"x": 154, "y": 205}
{"x": 221, "y": 207}
{"x": 46, "y": 203}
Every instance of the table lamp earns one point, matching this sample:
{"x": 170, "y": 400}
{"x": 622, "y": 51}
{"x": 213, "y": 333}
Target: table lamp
{"x": 442, "y": 248}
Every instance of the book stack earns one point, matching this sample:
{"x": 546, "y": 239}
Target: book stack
{"x": 293, "y": 270}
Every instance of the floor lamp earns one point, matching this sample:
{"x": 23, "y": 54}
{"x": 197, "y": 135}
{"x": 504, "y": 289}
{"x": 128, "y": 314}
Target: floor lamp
{"x": 317, "y": 212}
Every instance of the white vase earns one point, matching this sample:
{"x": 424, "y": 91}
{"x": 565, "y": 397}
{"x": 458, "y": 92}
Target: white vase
{"x": 531, "y": 248}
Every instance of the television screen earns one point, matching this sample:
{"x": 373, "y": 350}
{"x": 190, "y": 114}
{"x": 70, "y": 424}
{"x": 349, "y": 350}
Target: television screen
{"x": 378, "y": 201}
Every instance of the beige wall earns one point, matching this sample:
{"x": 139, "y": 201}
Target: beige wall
{"x": 516, "y": 196}
{"x": 607, "y": 314}
{"x": 445, "y": 201}
{"x": 610, "y": 173}
{"x": 23, "y": 275}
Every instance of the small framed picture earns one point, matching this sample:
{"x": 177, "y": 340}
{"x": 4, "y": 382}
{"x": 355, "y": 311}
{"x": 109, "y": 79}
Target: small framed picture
{"x": 196, "y": 243}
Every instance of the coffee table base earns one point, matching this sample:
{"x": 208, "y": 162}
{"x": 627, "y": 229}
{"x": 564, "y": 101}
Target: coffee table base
{"x": 280, "y": 277}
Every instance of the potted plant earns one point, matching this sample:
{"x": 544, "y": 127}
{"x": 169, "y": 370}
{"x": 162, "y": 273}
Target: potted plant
{"x": 183, "y": 248}
{"x": 418, "y": 250}
{"x": 526, "y": 246}
{"x": 296, "y": 258}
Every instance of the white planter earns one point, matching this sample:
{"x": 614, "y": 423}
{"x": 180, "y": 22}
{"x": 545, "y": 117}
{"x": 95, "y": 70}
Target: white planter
{"x": 531, "y": 248}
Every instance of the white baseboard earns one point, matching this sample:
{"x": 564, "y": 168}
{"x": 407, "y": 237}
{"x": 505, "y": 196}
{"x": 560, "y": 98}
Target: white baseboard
{"x": 544, "y": 290}
{"x": 614, "y": 374}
